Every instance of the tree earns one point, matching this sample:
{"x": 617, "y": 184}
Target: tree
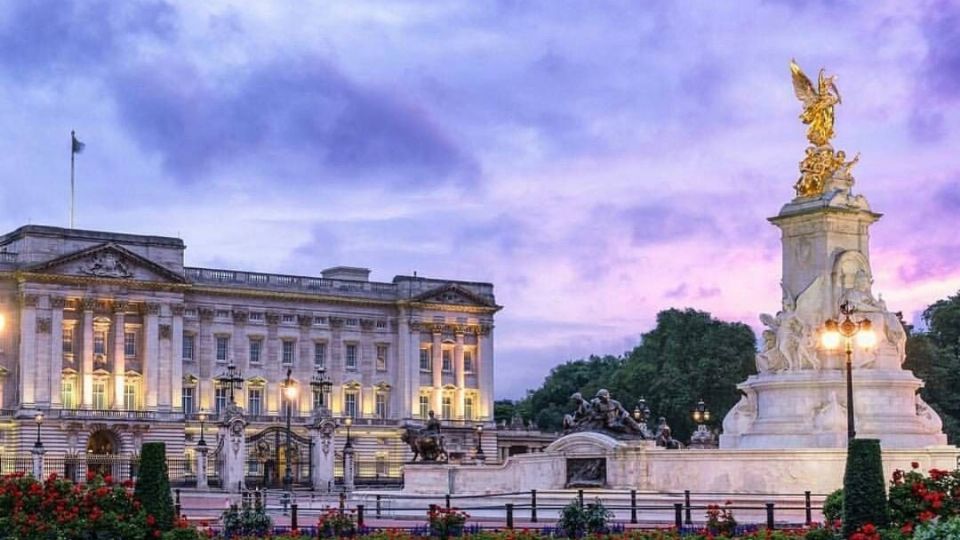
{"x": 503, "y": 410}
{"x": 934, "y": 356}
{"x": 153, "y": 484}
{"x": 864, "y": 494}
{"x": 547, "y": 404}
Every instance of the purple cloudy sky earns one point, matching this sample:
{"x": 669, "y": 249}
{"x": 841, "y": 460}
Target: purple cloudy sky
{"x": 596, "y": 161}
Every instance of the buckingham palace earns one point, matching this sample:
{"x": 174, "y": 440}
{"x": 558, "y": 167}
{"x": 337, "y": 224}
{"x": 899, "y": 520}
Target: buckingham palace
{"x": 108, "y": 341}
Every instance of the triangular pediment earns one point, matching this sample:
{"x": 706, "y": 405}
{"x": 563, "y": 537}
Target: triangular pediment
{"x": 452, "y": 294}
{"x": 108, "y": 261}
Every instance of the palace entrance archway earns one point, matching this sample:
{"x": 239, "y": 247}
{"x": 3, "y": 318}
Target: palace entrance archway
{"x": 103, "y": 448}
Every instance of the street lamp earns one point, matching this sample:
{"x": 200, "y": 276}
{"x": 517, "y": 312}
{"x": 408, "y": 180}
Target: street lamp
{"x": 848, "y": 330}
{"x": 39, "y": 420}
{"x": 290, "y": 391}
{"x": 348, "y": 421}
{"x": 232, "y": 378}
{"x": 479, "y": 431}
{"x": 202, "y": 415}
{"x": 320, "y": 383}
{"x": 701, "y": 414}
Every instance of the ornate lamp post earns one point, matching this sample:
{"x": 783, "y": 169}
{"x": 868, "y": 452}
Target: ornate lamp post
{"x": 348, "y": 421}
{"x": 202, "y": 416}
{"x": 320, "y": 383}
{"x": 231, "y": 378}
{"x": 39, "y": 420}
{"x": 479, "y": 452}
{"x": 641, "y": 413}
{"x": 290, "y": 392}
{"x": 847, "y": 330}
{"x": 701, "y": 414}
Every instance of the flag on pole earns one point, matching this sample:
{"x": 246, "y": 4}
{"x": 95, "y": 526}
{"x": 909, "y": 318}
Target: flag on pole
{"x": 77, "y": 145}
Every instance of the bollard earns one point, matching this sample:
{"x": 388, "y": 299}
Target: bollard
{"x": 176, "y": 492}
{"x": 510, "y": 515}
{"x": 378, "y": 506}
{"x": 446, "y": 499}
{"x": 533, "y": 505}
{"x": 343, "y": 501}
{"x": 360, "y": 515}
{"x": 807, "y": 508}
{"x": 176, "y": 510}
{"x": 770, "y": 516}
{"x": 580, "y": 497}
{"x": 686, "y": 503}
{"x": 633, "y": 506}
{"x": 678, "y": 516}
{"x": 293, "y": 516}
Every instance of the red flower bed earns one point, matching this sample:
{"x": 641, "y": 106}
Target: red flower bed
{"x": 915, "y": 498}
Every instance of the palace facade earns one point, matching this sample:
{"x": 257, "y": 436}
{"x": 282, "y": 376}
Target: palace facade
{"x": 116, "y": 343}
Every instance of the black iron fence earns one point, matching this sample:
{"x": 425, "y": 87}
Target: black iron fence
{"x": 182, "y": 470}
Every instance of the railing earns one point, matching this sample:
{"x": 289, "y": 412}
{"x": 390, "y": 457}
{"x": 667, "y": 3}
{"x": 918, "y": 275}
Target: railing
{"x": 8, "y": 257}
{"x": 287, "y": 282}
{"x": 107, "y": 413}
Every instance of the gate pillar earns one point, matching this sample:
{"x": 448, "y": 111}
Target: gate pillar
{"x": 322, "y": 429}
{"x": 233, "y": 434}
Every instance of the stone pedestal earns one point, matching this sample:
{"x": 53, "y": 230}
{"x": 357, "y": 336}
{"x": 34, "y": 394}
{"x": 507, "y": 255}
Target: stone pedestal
{"x": 349, "y": 467}
{"x": 202, "y": 450}
{"x": 321, "y": 432}
{"x": 38, "y": 452}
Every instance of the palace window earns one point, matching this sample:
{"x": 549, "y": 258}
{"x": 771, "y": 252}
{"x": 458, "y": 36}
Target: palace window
{"x": 447, "y": 360}
{"x": 223, "y": 343}
{"x": 350, "y": 361}
{"x": 446, "y": 411}
{"x": 255, "y": 401}
{"x": 382, "y": 468}
{"x": 68, "y": 340}
{"x": 380, "y": 409}
{"x": 223, "y": 314}
{"x": 100, "y": 342}
{"x": 424, "y": 405}
{"x": 287, "y": 318}
{"x": 352, "y": 322}
{"x": 189, "y": 340}
{"x": 381, "y": 324}
{"x": 220, "y": 397}
{"x": 317, "y": 399}
{"x": 382, "y": 357}
{"x": 468, "y": 362}
{"x": 187, "y": 399}
{"x": 129, "y": 344}
{"x": 256, "y": 316}
{"x": 350, "y": 403}
{"x": 468, "y": 408}
{"x": 99, "y": 395}
{"x": 256, "y": 350}
{"x": 68, "y": 394}
{"x": 320, "y": 354}
{"x": 130, "y": 395}
{"x": 288, "y": 348}
{"x": 425, "y": 363}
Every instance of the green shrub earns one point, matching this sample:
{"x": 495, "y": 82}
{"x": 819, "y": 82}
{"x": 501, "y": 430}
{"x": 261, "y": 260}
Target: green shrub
{"x": 938, "y": 529}
{"x": 576, "y": 521}
{"x": 824, "y": 533}
{"x": 249, "y": 521}
{"x": 833, "y": 507}
{"x": 153, "y": 485}
{"x": 864, "y": 497}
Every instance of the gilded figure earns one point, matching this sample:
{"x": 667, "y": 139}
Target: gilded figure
{"x": 817, "y": 103}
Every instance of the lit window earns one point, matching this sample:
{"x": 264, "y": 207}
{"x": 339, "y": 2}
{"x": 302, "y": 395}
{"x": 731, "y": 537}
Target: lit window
{"x": 288, "y": 347}
{"x": 222, "y": 347}
{"x": 187, "y": 399}
{"x": 68, "y": 394}
{"x": 68, "y": 340}
{"x": 447, "y": 408}
{"x": 130, "y": 395}
{"x": 447, "y": 360}
{"x": 381, "y": 405}
{"x": 256, "y": 350}
{"x": 468, "y": 361}
{"x": 99, "y": 395}
{"x": 320, "y": 354}
{"x": 100, "y": 342}
{"x": 254, "y": 401}
{"x": 188, "y": 346}
{"x": 129, "y": 344}
{"x": 468, "y": 408}
{"x": 425, "y": 363}
{"x": 351, "y": 356}
{"x": 220, "y": 397}
{"x": 381, "y": 357}
{"x": 424, "y": 405}
{"x": 350, "y": 403}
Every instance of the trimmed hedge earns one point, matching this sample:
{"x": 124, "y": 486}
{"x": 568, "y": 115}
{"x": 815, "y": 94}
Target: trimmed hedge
{"x": 864, "y": 496}
{"x": 153, "y": 484}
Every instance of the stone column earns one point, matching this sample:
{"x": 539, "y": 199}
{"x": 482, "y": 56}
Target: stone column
{"x": 86, "y": 365}
{"x": 234, "y": 452}
{"x": 459, "y": 375}
{"x": 321, "y": 433}
{"x": 405, "y": 382}
{"x": 38, "y": 452}
{"x": 28, "y": 343}
{"x": 176, "y": 359}
{"x": 484, "y": 370}
{"x": 156, "y": 377}
{"x": 57, "y": 303}
{"x": 119, "y": 355}
{"x": 201, "y": 451}
{"x": 437, "y": 372}
{"x": 42, "y": 353}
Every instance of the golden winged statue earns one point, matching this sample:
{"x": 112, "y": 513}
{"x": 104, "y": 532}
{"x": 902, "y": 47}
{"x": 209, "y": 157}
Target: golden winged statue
{"x": 817, "y": 103}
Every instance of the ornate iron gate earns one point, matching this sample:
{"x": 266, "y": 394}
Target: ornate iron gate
{"x": 268, "y": 456}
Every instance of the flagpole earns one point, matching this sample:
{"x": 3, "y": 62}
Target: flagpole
{"x": 73, "y": 137}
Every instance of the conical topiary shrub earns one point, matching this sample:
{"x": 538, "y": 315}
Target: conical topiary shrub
{"x": 153, "y": 485}
{"x": 864, "y": 495}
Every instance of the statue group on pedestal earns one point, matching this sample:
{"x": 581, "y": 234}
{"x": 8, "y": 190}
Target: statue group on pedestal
{"x": 426, "y": 443}
{"x": 606, "y": 415}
